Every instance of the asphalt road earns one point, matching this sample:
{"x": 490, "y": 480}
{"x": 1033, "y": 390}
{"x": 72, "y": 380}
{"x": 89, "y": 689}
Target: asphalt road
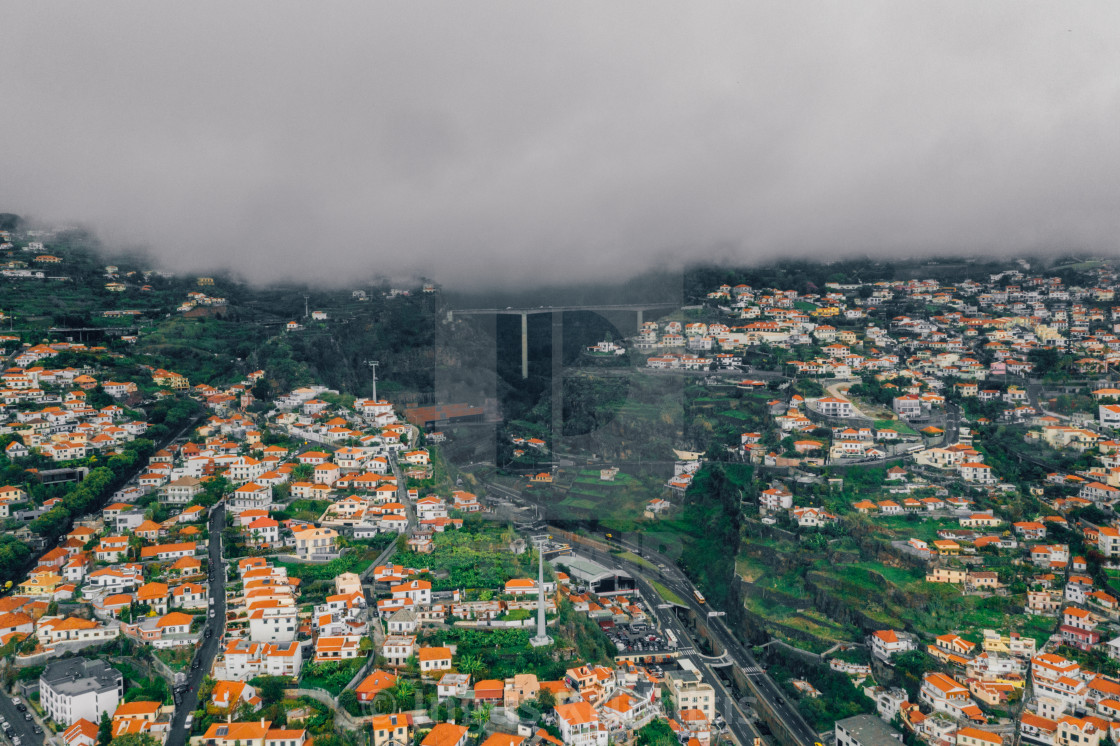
{"x": 676, "y": 581}
{"x": 402, "y": 492}
{"x": 205, "y": 654}
{"x": 953, "y": 417}
{"x": 726, "y": 704}
{"x": 20, "y": 727}
{"x": 23, "y": 728}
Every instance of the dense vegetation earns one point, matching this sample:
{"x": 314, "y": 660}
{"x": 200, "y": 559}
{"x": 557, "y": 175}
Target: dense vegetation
{"x": 93, "y": 491}
{"x": 476, "y": 557}
{"x": 502, "y": 653}
{"x": 706, "y": 535}
{"x": 839, "y": 697}
{"x": 656, "y": 733}
{"x": 15, "y": 556}
{"x": 219, "y": 344}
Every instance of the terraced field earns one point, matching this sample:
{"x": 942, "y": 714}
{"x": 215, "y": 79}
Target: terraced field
{"x": 828, "y": 601}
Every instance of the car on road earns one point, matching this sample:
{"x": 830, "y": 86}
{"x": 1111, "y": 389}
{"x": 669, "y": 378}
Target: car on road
{"x": 27, "y": 716}
{"x": 17, "y": 701}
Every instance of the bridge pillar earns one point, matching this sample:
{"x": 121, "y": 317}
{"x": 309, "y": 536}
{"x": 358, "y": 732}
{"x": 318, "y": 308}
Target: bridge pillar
{"x": 639, "y": 320}
{"x": 524, "y": 345}
{"x": 557, "y": 379}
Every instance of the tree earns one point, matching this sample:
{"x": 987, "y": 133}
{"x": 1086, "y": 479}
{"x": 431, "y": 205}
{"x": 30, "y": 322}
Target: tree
{"x": 546, "y": 699}
{"x": 262, "y": 390}
{"x": 104, "y": 730}
{"x": 815, "y": 541}
{"x": 348, "y": 700}
{"x": 271, "y": 688}
{"x": 657, "y": 733}
{"x": 528, "y": 710}
{"x": 404, "y": 694}
{"x": 51, "y": 524}
{"x": 14, "y": 558}
{"x": 98, "y": 399}
{"x": 481, "y": 714}
{"x": 909, "y": 667}
{"x": 244, "y": 712}
{"x": 470, "y": 664}
{"x": 135, "y": 739}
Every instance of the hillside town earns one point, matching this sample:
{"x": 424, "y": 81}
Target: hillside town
{"x": 921, "y": 478}
{"x": 141, "y": 569}
{"x": 928, "y": 396}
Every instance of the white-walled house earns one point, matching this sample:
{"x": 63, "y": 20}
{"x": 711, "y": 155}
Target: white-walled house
{"x": 77, "y": 688}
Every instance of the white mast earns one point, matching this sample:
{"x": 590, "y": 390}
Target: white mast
{"x": 541, "y": 639}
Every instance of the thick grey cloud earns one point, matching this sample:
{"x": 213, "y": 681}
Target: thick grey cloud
{"x": 526, "y": 142}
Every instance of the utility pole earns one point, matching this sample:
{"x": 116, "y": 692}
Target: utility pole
{"x": 373, "y": 367}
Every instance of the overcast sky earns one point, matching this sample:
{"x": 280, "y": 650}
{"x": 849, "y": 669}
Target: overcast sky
{"x": 527, "y": 142}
